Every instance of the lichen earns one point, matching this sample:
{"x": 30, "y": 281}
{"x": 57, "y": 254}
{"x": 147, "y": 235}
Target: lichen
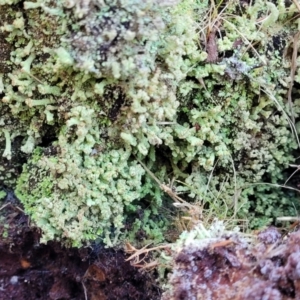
{"x": 214, "y": 263}
{"x": 195, "y": 91}
{"x": 80, "y": 190}
{"x": 2, "y": 194}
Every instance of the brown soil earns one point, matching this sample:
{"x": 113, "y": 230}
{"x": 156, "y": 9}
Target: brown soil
{"x": 32, "y": 271}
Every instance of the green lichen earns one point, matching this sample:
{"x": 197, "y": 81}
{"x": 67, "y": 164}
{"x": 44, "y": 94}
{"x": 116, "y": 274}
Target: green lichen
{"x": 2, "y": 194}
{"x": 75, "y": 192}
{"x": 195, "y": 90}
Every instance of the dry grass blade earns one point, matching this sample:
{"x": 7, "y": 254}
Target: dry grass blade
{"x": 147, "y": 266}
{"x": 288, "y": 219}
{"x": 137, "y": 257}
{"x": 291, "y": 124}
{"x": 13, "y": 206}
{"x": 274, "y": 185}
{"x": 293, "y": 71}
{"x": 194, "y": 211}
{"x": 179, "y": 202}
{"x": 297, "y": 4}
{"x": 3, "y": 206}
{"x": 129, "y": 248}
{"x": 143, "y": 251}
{"x": 84, "y": 290}
{"x": 246, "y": 41}
{"x": 297, "y": 169}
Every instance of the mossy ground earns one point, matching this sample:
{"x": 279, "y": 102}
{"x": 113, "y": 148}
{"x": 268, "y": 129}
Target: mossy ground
{"x": 118, "y": 121}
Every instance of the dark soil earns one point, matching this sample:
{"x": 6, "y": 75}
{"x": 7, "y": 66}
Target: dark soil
{"x": 31, "y": 271}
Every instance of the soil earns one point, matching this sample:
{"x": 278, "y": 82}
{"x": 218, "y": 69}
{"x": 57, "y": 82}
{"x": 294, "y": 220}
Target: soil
{"x": 32, "y": 271}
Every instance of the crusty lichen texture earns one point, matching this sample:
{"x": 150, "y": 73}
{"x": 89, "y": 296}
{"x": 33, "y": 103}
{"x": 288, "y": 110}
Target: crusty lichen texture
{"x": 196, "y": 90}
{"x": 214, "y": 263}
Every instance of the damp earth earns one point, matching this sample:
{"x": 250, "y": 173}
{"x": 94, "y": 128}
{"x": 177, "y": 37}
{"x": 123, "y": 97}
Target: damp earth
{"x": 30, "y": 270}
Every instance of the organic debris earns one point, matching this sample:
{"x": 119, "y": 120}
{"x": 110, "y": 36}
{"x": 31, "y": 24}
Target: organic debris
{"x": 233, "y": 266}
